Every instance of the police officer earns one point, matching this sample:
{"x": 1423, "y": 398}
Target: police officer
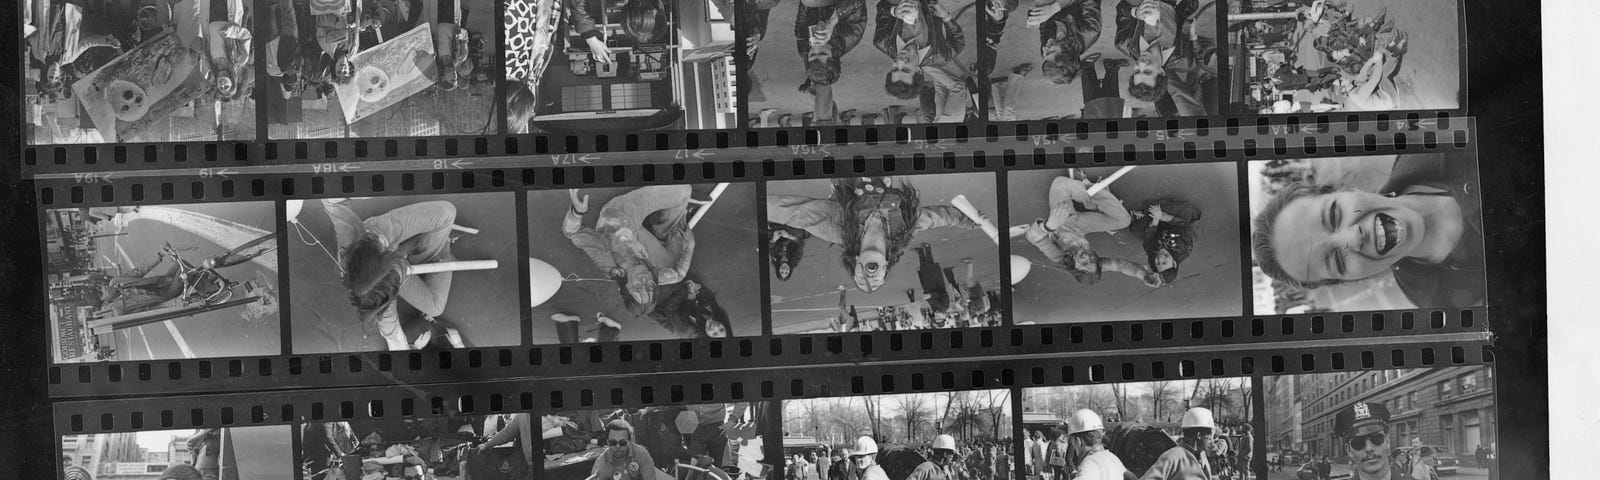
{"x": 1086, "y": 436}
{"x": 938, "y": 465}
{"x": 1364, "y": 427}
{"x": 1187, "y": 461}
{"x": 865, "y": 458}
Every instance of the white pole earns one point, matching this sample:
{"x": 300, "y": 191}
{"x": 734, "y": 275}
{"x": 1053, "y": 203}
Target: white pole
{"x": 455, "y": 266}
{"x": 1019, "y": 230}
{"x": 705, "y": 207}
{"x": 965, "y": 206}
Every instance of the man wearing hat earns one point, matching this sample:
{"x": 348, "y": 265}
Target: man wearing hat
{"x": 1086, "y": 436}
{"x": 624, "y": 459}
{"x": 1364, "y": 427}
{"x": 1187, "y": 461}
{"x": 938, "y": 465}
{"x": 865, "y": 458}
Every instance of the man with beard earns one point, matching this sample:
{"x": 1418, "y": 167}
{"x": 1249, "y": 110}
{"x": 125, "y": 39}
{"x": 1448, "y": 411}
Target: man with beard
{"x": 923, "y": 38}
{"x": 825, "y": 30}
{"x": 1187, "y": 461}
{"x": 1364, "y": 428}
{"x": 937, "y": 467}
{"x": 872, "y": 219}
{"x": 1086, "y": 436}
{"x": 624, "y": 459}
{"x": 1173, "y": 50}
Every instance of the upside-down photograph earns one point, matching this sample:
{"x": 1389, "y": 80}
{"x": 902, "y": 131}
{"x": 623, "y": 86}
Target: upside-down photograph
{"x": 457, "y": 447}
{"x": 657, "y": 262}
{"x": 232, "y": 453}
{"x": 1178, "y": 429}
{"x": 619, "y": 66}
{"x": 717, "y": 441}
{"x": 916, "y": 436}
{"x": 883, "y": 253}
{"x": 1128, "y": 243}
{"x": 378, "y": 68}
{"x": 162, "y": 282}
{"x": 118, "y": 71}
{"x": 1416, "y": 424}
{"x": 1303, "y": 56}
{"x": 417, "y": 272}
{"x": 1062, "y": 59}
{"x": 859, "y": 62}
{"x": 1366, "y": 233}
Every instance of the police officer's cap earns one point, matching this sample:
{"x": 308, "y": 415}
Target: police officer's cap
{"x": 1361, "y": 419}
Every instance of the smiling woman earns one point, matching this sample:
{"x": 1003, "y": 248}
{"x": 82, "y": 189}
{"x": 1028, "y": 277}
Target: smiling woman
{"x": 1422, "y": 226}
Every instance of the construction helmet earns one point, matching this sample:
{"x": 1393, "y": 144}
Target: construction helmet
{"x": 944, "y": 442}
{"x": 1084, "y": 420}
{"x": 864, "y": 446}
{"x": 1198, "y": 417}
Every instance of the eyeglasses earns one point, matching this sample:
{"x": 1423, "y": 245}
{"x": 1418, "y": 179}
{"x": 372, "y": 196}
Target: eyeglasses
{"x": 1360, "y": 443}
{"x": 617, "y": 442}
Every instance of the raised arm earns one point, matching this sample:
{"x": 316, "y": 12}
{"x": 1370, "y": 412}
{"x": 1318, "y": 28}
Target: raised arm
{"x": 585, "y": 238}
{"x": 940, "y": 216}
{"x": 883, "y": 32}
{"x": 817, "y": 216}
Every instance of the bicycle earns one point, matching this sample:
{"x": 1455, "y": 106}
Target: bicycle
{"x": 202, "y": 284}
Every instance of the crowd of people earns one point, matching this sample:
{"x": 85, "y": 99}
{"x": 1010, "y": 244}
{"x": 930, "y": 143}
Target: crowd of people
{"x": 1357, "y": 60}
{"x": 1086, "y": 449}
{"x": 941, "y": 459}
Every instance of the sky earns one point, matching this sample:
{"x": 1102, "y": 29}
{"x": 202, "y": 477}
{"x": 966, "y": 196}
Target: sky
{"x": 159, "y": 441}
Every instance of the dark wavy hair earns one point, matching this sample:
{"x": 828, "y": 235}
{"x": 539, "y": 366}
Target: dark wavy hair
{"x": 1148, "y": 93}
{"x": 823, "y": 72}
{"x": 373, "y": 274}
{"x": 181, "y": 472}
{"x": 844, "y": 192}
{"x": 1181, "y": 244}
{"x": 903, "y": 91}
{"x": 1265, "y": 224}
{"x": 787, "y": 251}
{"x": 1062, "y": 68}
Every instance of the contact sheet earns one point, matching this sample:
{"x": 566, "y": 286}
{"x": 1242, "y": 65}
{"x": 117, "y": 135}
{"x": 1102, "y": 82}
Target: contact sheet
{"x": 645, "y": 240}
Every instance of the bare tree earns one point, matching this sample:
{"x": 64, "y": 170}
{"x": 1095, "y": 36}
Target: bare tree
{"x": 1160, "y": 393}
{"x": 874, "y": 406}
{"x": 915, "y": 409}
{"x": 996, "y": 403}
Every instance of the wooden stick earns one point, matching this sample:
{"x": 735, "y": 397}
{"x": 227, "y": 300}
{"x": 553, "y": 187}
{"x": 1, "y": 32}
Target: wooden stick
{"x": 455, "y": 266}
{"x": 466, "y": 230}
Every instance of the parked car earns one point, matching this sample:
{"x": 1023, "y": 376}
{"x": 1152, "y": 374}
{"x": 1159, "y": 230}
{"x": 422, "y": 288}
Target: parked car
{"x": 1447, "y": 461}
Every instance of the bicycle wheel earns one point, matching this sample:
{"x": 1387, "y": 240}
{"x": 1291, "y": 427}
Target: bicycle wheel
{"x": 252, "y": 249}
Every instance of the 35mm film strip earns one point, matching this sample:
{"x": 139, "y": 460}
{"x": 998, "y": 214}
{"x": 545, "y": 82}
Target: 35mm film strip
{"x": 1421, "y": 405}
{"x": 509, "y": 278}
{"x": 300, "y": 82}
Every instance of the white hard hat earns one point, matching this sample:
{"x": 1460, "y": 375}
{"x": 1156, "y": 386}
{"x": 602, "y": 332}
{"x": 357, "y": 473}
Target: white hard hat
{"x": 864, "y": 446}
{"x": 1084, "y": 420}
{"x": 1198, "y": 417}
{"x": 944, "y": 442}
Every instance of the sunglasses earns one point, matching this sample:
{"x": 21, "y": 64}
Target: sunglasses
{"x": 1360, "y": 443}
{"x": 617, "y": 443}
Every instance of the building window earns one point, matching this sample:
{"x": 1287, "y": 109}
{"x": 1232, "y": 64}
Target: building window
{"x": 1469, "y": 383}
{"x": 1411, "y": 400}
{"x": 1444, "y": 389}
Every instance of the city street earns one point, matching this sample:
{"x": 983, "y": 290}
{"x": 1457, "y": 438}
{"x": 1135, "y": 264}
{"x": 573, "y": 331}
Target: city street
{"x": 212, "y": 229}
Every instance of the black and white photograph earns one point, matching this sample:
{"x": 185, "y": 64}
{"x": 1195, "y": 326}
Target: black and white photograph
{"x": 718, "y": 441}
{"x": 883, "y": 253}
{"x": 122, "y": 71}
{"x": 162, "y": 282}
{"x": 1085, "y": 59}
{"x": 1305, "y": 56}
{"x": 1176, "y": 429}
{"x": 234, "y": 453}
{"x": 1129, "y": 243}
{"x": 1366, "y": 233}
{"x": 619, "y": 66}
{"x": 657, "y": 262}
{"x": 915, "y": 436}
{"x": 458, "y": 447}
{"x": 861, "y": 62}
{"x": 378, "y": 68}
{"x": 418, "y": 272}
{"x": 1416, "y": 424}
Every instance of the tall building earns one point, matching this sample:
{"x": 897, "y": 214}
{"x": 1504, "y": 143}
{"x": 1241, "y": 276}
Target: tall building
{"x": 122, "y": 447}
{"x": 82, "y": 451}
{"x": 1452, "y": 407}
{"x": 1283, "y": 413}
